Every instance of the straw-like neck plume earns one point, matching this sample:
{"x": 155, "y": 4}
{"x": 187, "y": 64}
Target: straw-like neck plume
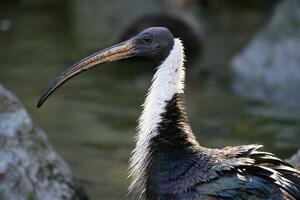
{"x": 167, "y": 81}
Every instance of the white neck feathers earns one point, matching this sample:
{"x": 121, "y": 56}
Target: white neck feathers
{"x": 167, "y": 81}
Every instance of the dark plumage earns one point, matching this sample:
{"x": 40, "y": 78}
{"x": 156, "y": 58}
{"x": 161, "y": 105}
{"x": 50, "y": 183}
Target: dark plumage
{"x": 181, "y": 169}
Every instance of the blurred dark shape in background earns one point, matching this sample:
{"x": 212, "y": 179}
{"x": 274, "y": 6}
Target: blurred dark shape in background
{"x": 259, "y": 4}
{"x": 180, "y": 25}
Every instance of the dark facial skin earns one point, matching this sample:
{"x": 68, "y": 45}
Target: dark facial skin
{"x": 155, "y": 43}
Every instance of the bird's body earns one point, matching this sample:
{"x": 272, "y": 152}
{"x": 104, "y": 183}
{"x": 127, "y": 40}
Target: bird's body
{"x": 168, "y": 162}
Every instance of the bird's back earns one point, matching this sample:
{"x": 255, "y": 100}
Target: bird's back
{"x": 237, "y": 173}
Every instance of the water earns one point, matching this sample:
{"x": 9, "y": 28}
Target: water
{"x": 91, "y": 120}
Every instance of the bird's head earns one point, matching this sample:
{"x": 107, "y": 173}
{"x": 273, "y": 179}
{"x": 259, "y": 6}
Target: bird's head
{"x": 155, "y": 43}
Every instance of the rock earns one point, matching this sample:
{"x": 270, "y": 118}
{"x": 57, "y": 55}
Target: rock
{"x": 268, "y": 69}
{"x": 295, "y": 160}
{"x": 29, "y": 167}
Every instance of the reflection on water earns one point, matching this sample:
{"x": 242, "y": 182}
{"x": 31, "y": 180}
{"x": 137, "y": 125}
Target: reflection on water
{"x": 91, "y": 122}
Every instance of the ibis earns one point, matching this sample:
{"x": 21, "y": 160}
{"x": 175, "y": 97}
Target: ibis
{"x": 168, "y": 162}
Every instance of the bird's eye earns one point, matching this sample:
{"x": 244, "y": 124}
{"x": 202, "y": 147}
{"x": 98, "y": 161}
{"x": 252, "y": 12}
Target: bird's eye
{"x": 147, "y": 39}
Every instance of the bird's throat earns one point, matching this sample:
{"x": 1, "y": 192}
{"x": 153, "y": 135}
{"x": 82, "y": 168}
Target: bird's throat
{"x": 167, "y": 81}
{"x": 166, "y": 90}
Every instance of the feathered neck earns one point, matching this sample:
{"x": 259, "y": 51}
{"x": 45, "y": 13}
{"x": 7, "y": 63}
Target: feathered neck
{"x": 167, "y": 81}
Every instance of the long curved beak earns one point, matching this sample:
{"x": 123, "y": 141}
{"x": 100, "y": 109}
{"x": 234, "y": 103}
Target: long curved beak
{"x": 117, "y": 52}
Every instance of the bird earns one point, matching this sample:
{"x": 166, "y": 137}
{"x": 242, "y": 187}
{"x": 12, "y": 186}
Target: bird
{"x": 168, "y": 162}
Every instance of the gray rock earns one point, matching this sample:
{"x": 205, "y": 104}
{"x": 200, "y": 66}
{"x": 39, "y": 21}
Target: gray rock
{"x": 268, "y": 68}
{"x": 295, "y": 160}
{"x": 29, "y": 167}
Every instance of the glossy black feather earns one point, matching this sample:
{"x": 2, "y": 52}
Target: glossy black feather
{"x": 181, "y": 169}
